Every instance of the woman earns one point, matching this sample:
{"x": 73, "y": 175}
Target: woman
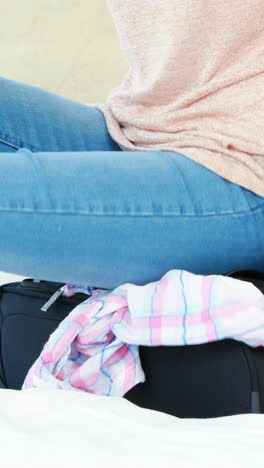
{"x": 167, "y": 174}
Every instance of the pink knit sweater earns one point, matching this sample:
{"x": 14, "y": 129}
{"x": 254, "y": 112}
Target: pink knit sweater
{"x": 195, "y": 83}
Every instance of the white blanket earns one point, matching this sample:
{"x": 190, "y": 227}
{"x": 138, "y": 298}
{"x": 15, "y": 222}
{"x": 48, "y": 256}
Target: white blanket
{"x": 57, "y": 428}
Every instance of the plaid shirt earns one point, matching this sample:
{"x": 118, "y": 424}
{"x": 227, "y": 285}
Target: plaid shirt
{"x": 96, "y": 348}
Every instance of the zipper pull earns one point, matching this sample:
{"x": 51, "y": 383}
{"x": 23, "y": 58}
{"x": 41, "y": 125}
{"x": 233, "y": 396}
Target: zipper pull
{"x": 53, "y": 299}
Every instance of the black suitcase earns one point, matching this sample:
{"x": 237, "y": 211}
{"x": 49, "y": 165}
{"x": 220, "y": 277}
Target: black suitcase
{"x": 202, "y": 381}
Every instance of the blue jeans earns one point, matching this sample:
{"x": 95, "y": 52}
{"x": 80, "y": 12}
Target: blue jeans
{"x": 76, "y": 208}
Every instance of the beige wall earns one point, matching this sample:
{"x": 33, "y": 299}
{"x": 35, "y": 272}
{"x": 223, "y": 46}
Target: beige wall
{"x": 69, "y": 47}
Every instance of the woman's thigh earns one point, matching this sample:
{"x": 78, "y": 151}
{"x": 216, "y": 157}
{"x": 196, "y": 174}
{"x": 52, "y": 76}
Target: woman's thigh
{"x": 107, "y": 218}
{"x": 39, "y": 120}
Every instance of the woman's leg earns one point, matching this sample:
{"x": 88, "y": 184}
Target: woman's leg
{"x": 33, "y": 118}
{"x": 105, "y": 218}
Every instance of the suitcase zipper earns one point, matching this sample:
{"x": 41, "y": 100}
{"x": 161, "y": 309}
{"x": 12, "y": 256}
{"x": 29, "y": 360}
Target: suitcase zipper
{"x": 53, "y": 298}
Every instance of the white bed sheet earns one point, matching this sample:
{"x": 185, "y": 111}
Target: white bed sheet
{"x": 56, "y": 428}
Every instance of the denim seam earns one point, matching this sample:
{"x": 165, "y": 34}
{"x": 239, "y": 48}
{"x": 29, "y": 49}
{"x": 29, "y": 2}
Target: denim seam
{"x": 198, "y": 215}
{"x": 133, "y": 214}
{"x": 14, "y": 143}
{"x": 8, "y": 143}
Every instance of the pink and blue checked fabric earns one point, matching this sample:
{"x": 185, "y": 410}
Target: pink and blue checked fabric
{"x": 96, "y": 348}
